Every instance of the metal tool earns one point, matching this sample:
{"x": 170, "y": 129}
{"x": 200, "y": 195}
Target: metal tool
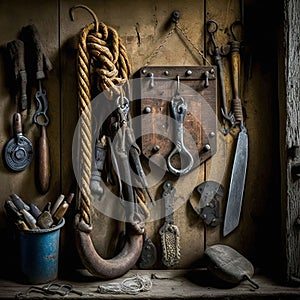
{"x": 32, "y": 39}
{"x": 18, "y": 151}
{"x": 212, "y": 28}
{"x": 53, "y": 288}
{"x": 148, "y": 255}
{"x": 40, "y": 118}
{"x": 208, "y": 208}
{"x": 178, "y": 109}
{"x": 238, "y": 175}
{"x": 169, "y": 232}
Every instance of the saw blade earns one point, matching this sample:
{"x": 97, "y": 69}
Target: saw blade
{"x": 237, "y": 183}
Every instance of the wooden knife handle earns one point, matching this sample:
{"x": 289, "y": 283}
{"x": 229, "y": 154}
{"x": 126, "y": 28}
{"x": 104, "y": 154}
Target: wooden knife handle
{"x": 17, "y": 123}
{"x": 235, "y": 65}
{"x": 44, "y": 162}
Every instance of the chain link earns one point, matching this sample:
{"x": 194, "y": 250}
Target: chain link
{"x": 193, "y": 45}
{"x": 157, "y": 49}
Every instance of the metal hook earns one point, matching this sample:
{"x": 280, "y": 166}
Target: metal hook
{"x": 89, "y": 10}
{"x": 212, "y": 27}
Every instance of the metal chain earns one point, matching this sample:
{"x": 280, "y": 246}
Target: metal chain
{"x": 170, "y": 33}
{"x": 157, "y": 49}
{"x": 193, "y": 45}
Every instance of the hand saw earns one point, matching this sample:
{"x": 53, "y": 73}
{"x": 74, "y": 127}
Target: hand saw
{"x": 238, "y": 175}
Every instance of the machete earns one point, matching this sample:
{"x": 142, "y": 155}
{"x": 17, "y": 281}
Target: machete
{"x": 238, "y": 175}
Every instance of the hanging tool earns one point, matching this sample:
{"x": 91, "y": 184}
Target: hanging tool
{"x": 16, "y": 51}
{"x": 169, "y": 232}
{"x": 212, "y": 28}
{"x": 149, "y": 253}
{"x": 18, "y": 152}
{"x": 208, "y": 208}
{"x": 238, "y": 175}
{"x": 40, "y": 118}
{"x": 32, "y": 39}
{"x": 179, "y": 109}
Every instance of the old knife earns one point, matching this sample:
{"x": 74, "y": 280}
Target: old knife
{"x": 238, "y": 175}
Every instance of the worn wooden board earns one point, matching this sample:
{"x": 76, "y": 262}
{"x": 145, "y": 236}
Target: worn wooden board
{"x": 290, "y": 155}
{"x": 166, "y": 284}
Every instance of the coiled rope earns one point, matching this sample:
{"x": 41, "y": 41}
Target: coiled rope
{"x": 101, "y": 55}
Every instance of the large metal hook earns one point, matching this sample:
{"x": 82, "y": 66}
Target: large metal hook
{"x": 71, "y": 11}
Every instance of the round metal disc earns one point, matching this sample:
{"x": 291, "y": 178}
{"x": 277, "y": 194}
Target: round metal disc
{"x": 18, "y": 153}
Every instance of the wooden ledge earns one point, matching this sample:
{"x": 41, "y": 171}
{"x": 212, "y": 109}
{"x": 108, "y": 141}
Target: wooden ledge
{"x": 169, "y": 284}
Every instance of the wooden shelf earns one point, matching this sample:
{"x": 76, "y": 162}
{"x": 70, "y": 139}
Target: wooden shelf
{"x": 170, "y": 284}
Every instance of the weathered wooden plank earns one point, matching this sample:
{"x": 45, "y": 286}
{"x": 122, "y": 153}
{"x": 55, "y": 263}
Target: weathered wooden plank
{"x": 167, "y": 285}
{"x": 291, "y": 140}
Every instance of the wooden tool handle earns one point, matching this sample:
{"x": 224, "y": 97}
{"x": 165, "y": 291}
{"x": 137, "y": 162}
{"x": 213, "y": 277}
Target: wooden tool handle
{"x": 17, "y": 123}
{"x": 235, "y": 65}
{"x": 44, "y": 162}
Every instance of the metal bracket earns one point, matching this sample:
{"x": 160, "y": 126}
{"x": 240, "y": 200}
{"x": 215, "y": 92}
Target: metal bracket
{"x": 211, "y": 193}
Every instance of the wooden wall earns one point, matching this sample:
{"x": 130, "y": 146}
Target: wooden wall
{"x": 142, "y": 26}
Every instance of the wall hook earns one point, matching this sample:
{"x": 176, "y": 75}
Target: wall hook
{"x": 175, "y": 16}
{"x": 71, "y": 11}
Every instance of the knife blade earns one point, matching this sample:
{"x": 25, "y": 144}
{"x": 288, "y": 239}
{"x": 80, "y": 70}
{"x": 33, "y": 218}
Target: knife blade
{"x": 238, "y": 174}
{"x": 237, "y": 183}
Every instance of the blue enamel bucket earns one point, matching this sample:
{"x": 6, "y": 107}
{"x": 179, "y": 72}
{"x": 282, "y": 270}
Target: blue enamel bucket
{"x": 39, "y": 251}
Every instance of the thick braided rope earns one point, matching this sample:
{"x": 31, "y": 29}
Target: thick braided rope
{"x": 102, "y": 54}
{"x": 83, "y": 65}
{"x": 109, "y": 57}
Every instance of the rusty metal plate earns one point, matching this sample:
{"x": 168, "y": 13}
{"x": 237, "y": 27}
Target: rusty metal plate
{"x": 197, "y": 86}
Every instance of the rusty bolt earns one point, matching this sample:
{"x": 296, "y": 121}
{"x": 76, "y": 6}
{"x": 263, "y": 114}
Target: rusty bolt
{"x": 147, "y": 110}
{"x": 206, "y": 147}
{"x": 156, "y": 148}
{"x": 175, "y": 16}
{"x": 188, "y": 72}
